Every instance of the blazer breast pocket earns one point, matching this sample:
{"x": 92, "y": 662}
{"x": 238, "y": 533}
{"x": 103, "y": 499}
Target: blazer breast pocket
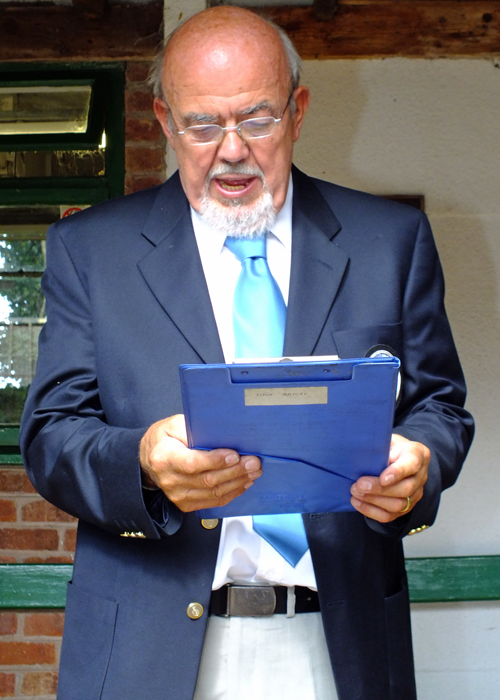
{"x": 364, "y": 341}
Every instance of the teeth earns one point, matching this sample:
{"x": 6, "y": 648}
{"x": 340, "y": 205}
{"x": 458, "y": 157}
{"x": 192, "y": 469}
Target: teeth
{"x": 231, "y": 186}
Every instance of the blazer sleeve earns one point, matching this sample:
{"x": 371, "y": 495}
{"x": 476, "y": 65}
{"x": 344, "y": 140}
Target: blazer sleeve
{"x": 431, "y": 410}
{"x": 74, "y": 457}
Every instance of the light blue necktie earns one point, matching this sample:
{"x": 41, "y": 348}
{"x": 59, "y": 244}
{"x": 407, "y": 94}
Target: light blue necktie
{"x": 259, "y": 316}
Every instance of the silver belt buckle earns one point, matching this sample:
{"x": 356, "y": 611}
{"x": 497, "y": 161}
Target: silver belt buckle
{"x": 250, "y": 601}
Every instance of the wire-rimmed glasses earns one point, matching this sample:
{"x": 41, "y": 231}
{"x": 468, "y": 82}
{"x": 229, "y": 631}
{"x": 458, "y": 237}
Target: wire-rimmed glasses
{"x": 248, "y": 129}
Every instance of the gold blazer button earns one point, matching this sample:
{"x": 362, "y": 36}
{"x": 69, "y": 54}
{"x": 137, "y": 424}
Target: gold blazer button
{"x": 210, "y": 523}
{"x": 194, "y": 610}
{"x": 416, "y": 530}
{"x": 141, "y": 535}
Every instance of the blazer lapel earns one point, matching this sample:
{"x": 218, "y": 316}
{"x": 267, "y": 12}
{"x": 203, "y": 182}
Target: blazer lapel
{"x": 174, "y": 274}
{"x": 318, "y": 266}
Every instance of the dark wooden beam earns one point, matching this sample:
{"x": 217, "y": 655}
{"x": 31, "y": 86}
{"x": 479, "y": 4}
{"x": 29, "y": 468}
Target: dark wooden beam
{"x": 358, "y": 29}
{"x": 97, "y": 8}
{"x": 383, "y": 28}
{"x": 324, "y": 10}
{"x": 80, "y": 33}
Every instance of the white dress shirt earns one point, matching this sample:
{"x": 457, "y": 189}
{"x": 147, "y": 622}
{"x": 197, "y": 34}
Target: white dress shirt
{"x": 243, "y": 554}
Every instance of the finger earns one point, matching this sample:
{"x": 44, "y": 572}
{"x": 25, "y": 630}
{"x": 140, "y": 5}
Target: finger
{"x": 207, "y": 469}
{"x": 206, "y": 472}
{"x": 170, "y": 454}
{"x": 385, "y": 510}
{"x": 406, "y": 460}
{"x": 397, "y": 505}
{"x": 199, "y": 499}
{"x": 374, "y": 512}
{"x": 175, "y": 427}
{"x": 369, "y": 487}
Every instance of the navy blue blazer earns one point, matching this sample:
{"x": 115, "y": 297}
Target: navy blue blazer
{"x": 127, "y": 303}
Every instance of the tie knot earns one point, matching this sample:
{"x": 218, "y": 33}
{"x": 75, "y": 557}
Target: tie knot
{"x": 247, "y": 247}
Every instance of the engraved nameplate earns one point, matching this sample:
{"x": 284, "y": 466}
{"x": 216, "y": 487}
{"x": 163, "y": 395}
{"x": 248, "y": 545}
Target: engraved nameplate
{"x": 286, "y": 396}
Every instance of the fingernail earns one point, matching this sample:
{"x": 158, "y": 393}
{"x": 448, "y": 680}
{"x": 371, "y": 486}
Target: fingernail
{"x": 355, "y": 502}
{"x": 252, "y": 465}
{"x": 250, "y": 483}
{"x": 366, "y": 485}
{"x": 232, "y": 459}
{"x": 254, "y": 475}
{"x": 389, "y": 479}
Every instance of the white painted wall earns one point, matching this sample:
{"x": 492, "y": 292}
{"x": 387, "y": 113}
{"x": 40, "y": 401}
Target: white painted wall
{"x": 432, "y": 127}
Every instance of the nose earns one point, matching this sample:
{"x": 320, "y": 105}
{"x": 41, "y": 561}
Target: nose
{"x": 233, "y": 147}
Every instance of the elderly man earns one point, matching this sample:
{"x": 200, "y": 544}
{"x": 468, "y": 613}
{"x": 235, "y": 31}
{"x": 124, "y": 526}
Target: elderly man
{"x": 136, "y": 287}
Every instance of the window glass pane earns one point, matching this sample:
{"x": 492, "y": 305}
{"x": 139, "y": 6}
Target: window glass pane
{"x": 53, "y": 163}
{"x": 22, "y": 306}
{"x": 44, "y": 110}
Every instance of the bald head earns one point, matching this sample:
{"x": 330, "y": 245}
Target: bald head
{"x": 226, "y": 34}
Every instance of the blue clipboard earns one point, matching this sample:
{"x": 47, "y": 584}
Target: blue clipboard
{"x": 316, "y": 426}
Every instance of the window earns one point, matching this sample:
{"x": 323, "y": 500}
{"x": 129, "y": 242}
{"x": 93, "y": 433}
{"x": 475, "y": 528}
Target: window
{"x": 45, "y": 109}
{"x": 61, "y": 149}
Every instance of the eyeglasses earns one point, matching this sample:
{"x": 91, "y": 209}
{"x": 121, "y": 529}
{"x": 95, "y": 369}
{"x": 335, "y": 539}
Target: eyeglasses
{"x": 248, "y": 129}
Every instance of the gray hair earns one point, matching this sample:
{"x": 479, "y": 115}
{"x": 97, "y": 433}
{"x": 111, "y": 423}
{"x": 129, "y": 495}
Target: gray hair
{"x": 294, "y": 63}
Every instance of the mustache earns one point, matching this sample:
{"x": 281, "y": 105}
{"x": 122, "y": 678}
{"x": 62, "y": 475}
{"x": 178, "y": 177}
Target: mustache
{"x": 235, "y": 169}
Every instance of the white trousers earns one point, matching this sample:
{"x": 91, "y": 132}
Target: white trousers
{"x": 256, "y": 658}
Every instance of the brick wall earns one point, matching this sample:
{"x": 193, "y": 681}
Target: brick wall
{"x": 29, "y": 652}
{"x": 144, "y": 140}
{"x": 32, "y": 530}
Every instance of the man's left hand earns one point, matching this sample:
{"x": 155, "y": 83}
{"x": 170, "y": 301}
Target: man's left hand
{"x": 399, "y": 488}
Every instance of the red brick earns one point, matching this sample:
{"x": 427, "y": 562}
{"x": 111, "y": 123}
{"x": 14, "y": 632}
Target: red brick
{"x": 7, "y": 685}
{"x": 137, "y": 129}
{"x": 44, "y": 624}
{"x": 11, "y": 538}
{"x": 24, "y": 653}
{"x": 138, "y": 101}
{"x": 143, "y": 160}
{"x": 7, "y": 560}
{"x": 137, "y": 71}
{"x": 134, "y": 183}
{"x": 70, "y": 540}
{"x": 8, "y": 511}
{"x": 39, "y": 684}
{"x": 15, "y": 481}
{"x": 42, "y": 512}
{"x": 8, "y": 623}
{"x": 48, "y": 560}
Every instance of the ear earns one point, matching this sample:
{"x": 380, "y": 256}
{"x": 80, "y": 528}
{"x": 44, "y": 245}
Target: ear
{"x": 301, "y": 98}
{"x": 161, "y": 111}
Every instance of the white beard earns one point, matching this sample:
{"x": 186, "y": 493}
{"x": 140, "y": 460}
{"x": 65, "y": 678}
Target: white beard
{"x": 236, "y": 218}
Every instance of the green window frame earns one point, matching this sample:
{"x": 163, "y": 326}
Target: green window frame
{"x": 106, "y": 114}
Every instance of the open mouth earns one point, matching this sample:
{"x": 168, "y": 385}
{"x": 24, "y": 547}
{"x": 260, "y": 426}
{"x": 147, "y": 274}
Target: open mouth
{"x": 234, "y": 186}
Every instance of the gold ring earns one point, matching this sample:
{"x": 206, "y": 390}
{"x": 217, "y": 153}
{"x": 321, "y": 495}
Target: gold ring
{"x": 407, "y": 506}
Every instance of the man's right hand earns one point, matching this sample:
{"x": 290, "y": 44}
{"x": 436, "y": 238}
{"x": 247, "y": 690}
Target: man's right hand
{"x": 193, "y": 479}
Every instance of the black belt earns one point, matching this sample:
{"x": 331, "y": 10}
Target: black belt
{"x": 257, "y": 600}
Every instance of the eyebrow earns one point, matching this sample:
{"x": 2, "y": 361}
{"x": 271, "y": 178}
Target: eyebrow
{"x": 205, "y": 118}
{"x": 191, "y": 117}
{"x": 258, "y": 107}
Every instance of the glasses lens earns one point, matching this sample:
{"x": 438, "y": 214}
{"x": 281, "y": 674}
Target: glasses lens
{"x": 257, "y": 128}
{"x": 204, "y": 133}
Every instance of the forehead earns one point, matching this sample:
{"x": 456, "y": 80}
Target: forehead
{"x": 226, "y": 69}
